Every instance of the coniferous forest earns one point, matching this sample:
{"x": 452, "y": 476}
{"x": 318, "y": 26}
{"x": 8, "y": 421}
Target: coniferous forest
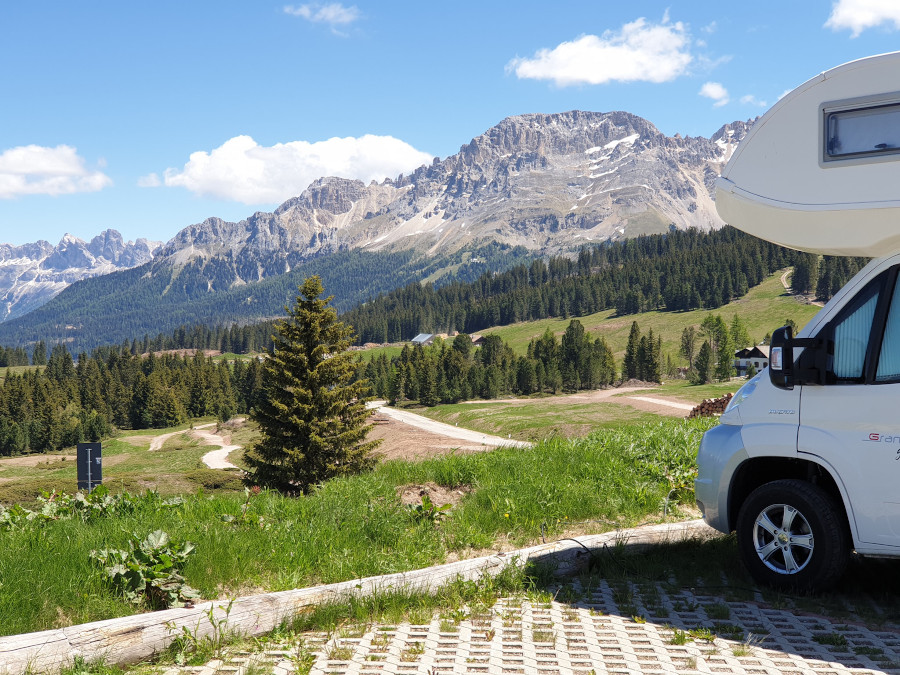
{"x": 678, "y": 271}
{"x": 66, "y": 403}
{"x": 455, "y": 370}
{"x": 681, "y": 270}
{"x": 127, "y": 386}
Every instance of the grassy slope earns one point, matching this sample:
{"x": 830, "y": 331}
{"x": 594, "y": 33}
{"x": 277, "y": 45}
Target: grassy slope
{"x": 17, "y": 370}
{"x": 536, "y": 419}
{"x": 763, "y": 309}
{"x": 174, "y": 469}
{"x": 355, "y": 527}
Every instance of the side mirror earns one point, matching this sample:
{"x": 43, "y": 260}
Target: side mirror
{"x": 781, "y": 358}
{"x": 809, "y": 368}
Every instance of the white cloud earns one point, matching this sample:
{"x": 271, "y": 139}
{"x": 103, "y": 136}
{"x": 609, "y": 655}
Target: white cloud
{"x": 243, "y": 171}
{"x": 716, "y": 92}
{"x": 640, "y": 51}
{"x": 37, "y": 170}
{"x": 710, "y": 28}
{"x": 858, "y": 15}
{"x": 334, "y": 13}
{"x": 151, "y": 180}
{"x": 750, "y": 99}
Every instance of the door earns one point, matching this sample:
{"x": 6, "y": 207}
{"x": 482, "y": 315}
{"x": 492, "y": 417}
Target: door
{"x": 853, "y": 422}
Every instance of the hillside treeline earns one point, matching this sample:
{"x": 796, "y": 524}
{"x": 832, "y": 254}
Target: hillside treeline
{"x": 681, "y": 270}
{"x": 454, "y": 370}
{"x": 64, "y": 403}
{"x": 678, "y": 271}
{"x": 823, "y": 276}
{"x": 13, "y": 356}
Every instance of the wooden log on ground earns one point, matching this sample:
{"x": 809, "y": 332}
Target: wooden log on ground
{"x": 134, "y": 638}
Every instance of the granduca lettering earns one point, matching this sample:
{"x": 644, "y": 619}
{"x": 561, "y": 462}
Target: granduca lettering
{"x": 782, "y": 411}
{"x": 882, "y": 438}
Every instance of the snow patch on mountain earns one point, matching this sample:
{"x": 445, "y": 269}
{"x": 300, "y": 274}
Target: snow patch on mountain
{"x": 32, "y": 274}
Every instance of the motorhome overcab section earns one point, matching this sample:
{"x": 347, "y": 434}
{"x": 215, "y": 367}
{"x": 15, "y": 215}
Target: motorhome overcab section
{"x": 800, "y": 464}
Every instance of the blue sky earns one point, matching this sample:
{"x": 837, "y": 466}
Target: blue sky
{"x": 147, "y": 117}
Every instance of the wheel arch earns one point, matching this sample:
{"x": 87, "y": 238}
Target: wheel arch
{"x": 758, "y": 471}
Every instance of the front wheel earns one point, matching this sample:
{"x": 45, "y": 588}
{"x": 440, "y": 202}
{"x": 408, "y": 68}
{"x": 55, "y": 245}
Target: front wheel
{"x": 792, "y": 536}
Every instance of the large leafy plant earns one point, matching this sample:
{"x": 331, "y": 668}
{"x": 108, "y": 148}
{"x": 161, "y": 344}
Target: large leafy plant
{"x": 150, "y": 572}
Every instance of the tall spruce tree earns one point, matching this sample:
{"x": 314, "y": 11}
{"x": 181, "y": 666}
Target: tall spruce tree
{"x": 631, "y": 365}
{"x": 703, "y": 364}
{"x": 312, "y": 417}
{"x": 725, "y": 358}
{"x": 689, "y": 345}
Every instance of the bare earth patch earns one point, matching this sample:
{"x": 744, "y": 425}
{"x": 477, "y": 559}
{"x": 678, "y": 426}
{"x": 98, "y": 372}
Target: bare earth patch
{"x": 411, "y": 495}
{"x": 581, "y": 397}
{"x": 34, "y": 460}
{"x": 657, "y": 408}
{"x": 402, "y": 441}
{"x": 612, "y": 395}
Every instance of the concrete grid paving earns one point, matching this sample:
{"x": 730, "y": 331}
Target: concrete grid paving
{"x": 622, "y": 628}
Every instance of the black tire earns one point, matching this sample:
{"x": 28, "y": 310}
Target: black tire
{"x": 810, "y": 554}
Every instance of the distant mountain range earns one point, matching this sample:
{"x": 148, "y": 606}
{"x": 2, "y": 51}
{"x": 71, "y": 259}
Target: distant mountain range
{"x": 32, "y": 274}
{"x": 532, "y": 185}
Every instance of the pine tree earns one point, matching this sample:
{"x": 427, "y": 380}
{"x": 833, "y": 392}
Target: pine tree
{"x": 740, "y": 338}
{"x": 643, "y": 351}
{"x": 806, "y": 273}
{"x": 688, "y": 345}
{"x": 653, "y": 359}
{"x": 725, "y": 358}
{"x": 398, "y": 385}
{"x": 703, "y": 363}
{"x": 428, "y": 384}
{"x": 311, "y": 416}
{"x": 630, "y": 365}
{"x": 39, "y": 355}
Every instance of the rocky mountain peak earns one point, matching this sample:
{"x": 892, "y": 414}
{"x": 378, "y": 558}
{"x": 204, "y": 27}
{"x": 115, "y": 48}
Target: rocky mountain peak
{"x": 331, "y": 193}
{"x": 32, "y": 274}
{"x": 547, "y": 182}
{"x": 729, "y": 135}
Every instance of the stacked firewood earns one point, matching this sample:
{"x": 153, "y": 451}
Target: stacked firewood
{"x": 711, "y": 406}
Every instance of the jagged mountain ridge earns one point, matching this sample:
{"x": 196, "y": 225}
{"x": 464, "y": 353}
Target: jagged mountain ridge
{"x": 32, "y": 274}
{"x": 546, "y": 182}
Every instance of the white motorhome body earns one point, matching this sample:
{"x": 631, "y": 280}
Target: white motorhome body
{"x": 805, "y": 463}
{"x": 819, "y": 171}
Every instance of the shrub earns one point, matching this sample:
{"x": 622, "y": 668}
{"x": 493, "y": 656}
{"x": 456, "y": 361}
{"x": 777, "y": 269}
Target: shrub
{"x": 150, "y": 572}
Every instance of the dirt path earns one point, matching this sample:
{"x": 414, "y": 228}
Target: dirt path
{"x": 661, "y": 401}
{"x": 619, "y": 395}
{"x": 216, "y": 459}
{"x": 158, "y": 441}
{"x": 784, "y": 281}
{"x": 446, "y": 430}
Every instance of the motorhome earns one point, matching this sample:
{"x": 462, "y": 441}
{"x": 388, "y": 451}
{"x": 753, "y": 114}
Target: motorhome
{"x": 805, "y": 462}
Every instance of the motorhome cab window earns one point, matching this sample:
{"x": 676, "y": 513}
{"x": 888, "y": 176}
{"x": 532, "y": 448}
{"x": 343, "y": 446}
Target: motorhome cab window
{"x": 851, "y": 336}
{"x": 862, "y": 132}
{"x": 889, "y": 358}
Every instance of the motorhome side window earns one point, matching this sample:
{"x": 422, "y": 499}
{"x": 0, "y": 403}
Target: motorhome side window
{"x": 851, "y": 335}
{"x": 889, "y": 356}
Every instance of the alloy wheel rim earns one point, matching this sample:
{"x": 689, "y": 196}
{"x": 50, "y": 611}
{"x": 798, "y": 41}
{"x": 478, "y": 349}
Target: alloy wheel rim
{"x": 783, "y": 539}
